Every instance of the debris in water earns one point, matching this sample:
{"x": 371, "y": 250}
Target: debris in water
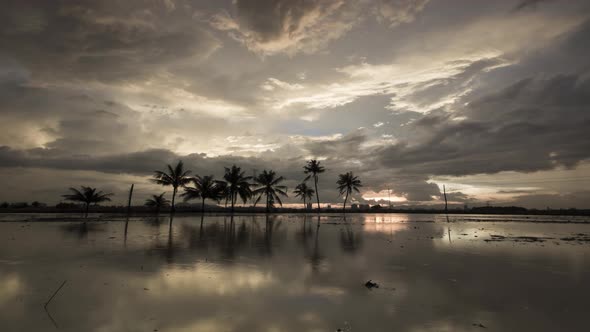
{"x": 479, "y": 325}
{"x": 498, "y": 238}
{"x": 370, "y": 284}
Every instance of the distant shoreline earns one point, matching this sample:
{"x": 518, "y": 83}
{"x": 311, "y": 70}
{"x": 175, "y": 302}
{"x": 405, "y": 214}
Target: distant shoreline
{"x": 142, "y": 211}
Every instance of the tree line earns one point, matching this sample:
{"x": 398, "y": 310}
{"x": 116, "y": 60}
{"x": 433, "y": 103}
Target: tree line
{"x": 235, "y": 185}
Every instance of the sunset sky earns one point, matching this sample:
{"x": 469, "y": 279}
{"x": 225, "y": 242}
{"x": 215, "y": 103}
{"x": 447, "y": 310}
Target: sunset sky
{"x": 490, "y": 98}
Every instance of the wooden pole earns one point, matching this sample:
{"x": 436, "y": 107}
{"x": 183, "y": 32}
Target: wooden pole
{"x": 128, "y": 209}
{"x": 446, "y": 204}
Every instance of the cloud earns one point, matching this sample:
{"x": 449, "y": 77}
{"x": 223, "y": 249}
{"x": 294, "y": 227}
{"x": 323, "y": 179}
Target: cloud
{"x": 286, "y": 26}
{"x": 103, "y": 41}
{"x": 118, "y": 89}
{"x": 524, "y": 4}
{"x": 272, "y": 27}
{"x": 395, "y": 12}
{"x": 535, "y": 124}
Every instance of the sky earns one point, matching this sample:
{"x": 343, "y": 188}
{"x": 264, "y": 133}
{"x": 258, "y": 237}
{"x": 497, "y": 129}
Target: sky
{"x": 489, "y": 98}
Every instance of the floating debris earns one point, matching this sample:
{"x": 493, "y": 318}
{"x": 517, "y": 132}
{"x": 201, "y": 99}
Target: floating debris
{"x": 580, "y": 237}
{"x": 498, "y": 238}
{"x": 370, "y": 284}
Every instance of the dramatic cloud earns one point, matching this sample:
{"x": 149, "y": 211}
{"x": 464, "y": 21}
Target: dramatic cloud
{"x": 529, "y": 126}
{"x": 395, "y": 12}
{"x": 102, "y": 41}
{"x": 292, "y": 26}
{"x": 491, "y": 100}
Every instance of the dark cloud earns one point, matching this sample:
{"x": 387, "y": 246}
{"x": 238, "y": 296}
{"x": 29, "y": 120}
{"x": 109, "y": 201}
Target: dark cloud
{"x": 534, "y": 124}
{"x": 524, "y": 4}
{"x": 347, "y": 146}
{"x": 104, "y": 41}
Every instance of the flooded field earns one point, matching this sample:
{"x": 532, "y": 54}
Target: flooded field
{"x": 295, "y": 273}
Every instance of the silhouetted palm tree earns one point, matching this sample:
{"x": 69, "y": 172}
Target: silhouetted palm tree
{"x": 304, "y": 192}
{"x": 313, "y": 169}
{"x": 175, "y": 177}
{"x": 236, "y": 185}
{"x": 157, "y": 202}
{"x": 267, "y": 184}
{"x": 206, "y": 187}
{"x": 87, "y": 196}
{"x": 347, "y": 183}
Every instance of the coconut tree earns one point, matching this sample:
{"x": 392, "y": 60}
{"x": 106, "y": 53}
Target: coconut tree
{"x": 268, "y": 184}
{"x": 175, "y": 176}
{"x": 205, "y": 187}
{"x": 87, "y": 195}
{"x": 157, "y": 202}
{"x": 313, "y": 169}
{"x": 236, "y": 185}
{"x": 347, "y": 183}
{"x": 304, "y": 192}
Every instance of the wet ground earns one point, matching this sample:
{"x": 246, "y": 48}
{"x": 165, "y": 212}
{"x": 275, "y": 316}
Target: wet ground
{"x": 284, "y": 273}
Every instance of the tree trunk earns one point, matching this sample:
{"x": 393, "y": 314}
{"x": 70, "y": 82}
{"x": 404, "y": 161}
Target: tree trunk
{"x": 317, "y": 193}
{"x": 304, "y": 204}
{"x": 203, "y": 206}
{"x": 173, "y": 208}
{"x": 87, "y": 208}
{"x": 345, "y": 199}
{"x": 233, "y": 201}
{"x": 267, "y": 203}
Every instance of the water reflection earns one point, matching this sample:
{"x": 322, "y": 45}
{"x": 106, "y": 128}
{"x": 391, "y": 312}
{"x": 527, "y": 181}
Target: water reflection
{"x": 291, "y": 273}
{"x": 350, "y": 241}
{"x": 80, "y": 230}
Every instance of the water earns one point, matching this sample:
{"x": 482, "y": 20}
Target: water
{"x": 284, "y": 273}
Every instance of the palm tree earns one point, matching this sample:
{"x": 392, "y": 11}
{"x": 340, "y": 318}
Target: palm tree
{"x": 267, "y": 183}
{"x": 175, "y": 177}
{"x": 313, "y": 169}
{"x": 304, "y": 192}
{"x": 157, "y": 202}
{"x": 87, "y": 196}
{"x": 347, "y": 183}
{"x": 206, "y": 187}
{"x": 236, "y": 185}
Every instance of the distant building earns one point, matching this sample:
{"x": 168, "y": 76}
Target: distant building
{"x": 354, "y": 207}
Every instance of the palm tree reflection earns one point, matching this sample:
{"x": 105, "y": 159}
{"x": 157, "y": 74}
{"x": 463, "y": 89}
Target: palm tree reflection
{"x": 314, "y": 254}
{"x": 349, "y": 241}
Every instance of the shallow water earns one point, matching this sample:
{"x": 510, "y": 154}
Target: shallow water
{"x": 284, "y": 273}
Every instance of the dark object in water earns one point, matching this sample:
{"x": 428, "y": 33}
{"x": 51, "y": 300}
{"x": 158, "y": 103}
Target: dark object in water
{"x": 370, "y": 284}
{"x": 479, "y": 325}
